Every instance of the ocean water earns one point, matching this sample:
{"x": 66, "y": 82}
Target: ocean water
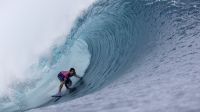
{"x": 134, "y": 56}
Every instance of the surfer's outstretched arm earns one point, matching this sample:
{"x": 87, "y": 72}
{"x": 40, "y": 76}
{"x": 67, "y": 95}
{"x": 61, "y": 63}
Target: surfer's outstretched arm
{"x": 77, "y": 76}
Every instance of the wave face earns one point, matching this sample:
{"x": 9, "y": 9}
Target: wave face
{"x": 114, "y": 36}
{"x": 120, "y": 33}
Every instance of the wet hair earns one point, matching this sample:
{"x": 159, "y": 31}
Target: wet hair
{"x": 72, "y": 69}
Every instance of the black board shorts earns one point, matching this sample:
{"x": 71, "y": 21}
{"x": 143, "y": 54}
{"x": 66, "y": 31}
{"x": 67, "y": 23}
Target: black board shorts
{"x": 62, "y": 78}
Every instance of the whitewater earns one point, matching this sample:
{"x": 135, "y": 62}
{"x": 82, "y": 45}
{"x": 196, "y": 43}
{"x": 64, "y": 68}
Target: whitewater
{"x": 133, "y": 55}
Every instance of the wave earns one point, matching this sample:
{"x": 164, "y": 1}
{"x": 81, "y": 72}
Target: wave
{"x": 111, "y": 37}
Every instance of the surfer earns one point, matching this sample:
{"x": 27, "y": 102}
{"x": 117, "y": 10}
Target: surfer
{"x": 64, "y": 77}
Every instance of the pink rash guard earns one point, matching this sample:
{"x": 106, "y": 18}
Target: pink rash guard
{"x": 66, "y": 74}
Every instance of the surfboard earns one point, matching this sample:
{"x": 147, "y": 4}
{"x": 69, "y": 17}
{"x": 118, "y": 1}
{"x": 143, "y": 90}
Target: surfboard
{"x": 71, "y": 90}
{"x": 56, "y": 97}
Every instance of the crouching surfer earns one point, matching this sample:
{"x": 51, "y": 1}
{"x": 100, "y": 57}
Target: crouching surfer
{"x": 64, "y": 77}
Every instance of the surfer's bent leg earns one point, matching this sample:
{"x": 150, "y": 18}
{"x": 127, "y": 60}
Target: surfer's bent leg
{"x": 68, "y": 83}
{"x": 61, "y": 85}
{"x": 62, "y": 81}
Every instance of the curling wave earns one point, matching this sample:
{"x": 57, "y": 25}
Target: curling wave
{"x": 110, "y": 38}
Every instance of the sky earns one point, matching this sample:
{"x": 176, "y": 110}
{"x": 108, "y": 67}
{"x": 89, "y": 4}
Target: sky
{"x": 28, "y": 29}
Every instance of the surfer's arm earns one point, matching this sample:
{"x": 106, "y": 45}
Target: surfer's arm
{"x": 77, "y": 76}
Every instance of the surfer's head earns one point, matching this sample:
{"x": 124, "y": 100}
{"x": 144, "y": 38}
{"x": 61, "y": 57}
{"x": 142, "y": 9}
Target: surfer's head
{"x": 72, "y": 71}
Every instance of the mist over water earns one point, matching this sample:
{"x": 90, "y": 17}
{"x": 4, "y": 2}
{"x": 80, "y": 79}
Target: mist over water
{"x": 28, "y": 30}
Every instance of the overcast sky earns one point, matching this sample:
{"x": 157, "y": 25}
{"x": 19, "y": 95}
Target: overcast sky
{"x": 28, "y": 29}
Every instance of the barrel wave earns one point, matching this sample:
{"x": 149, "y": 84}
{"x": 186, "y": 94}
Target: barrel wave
{"x": 109, "y": 39}
{"x": 120, "y": 33}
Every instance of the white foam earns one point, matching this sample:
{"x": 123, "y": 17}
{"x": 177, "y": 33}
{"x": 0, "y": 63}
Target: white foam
{"x": 28, "y": 29}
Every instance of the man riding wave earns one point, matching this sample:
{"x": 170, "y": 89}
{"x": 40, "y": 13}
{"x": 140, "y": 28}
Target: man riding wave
{"x": 64, "y": 77}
